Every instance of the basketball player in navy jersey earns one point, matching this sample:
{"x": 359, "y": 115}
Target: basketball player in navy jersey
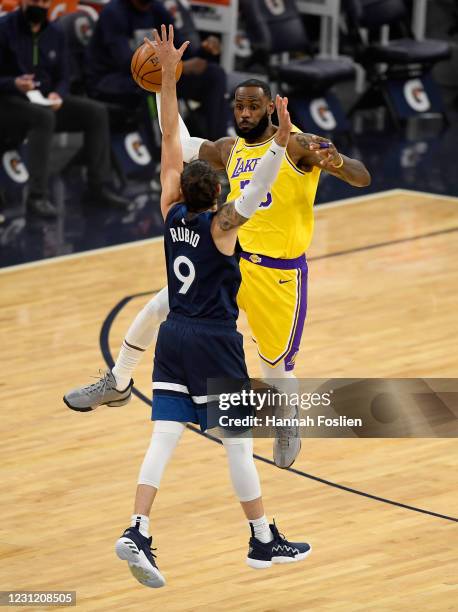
{"x": 199, "y": 339}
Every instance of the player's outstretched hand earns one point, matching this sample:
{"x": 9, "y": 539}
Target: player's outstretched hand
{"x": 163, "y": 45}
{"x": 284, "y": 121}
{"x": 330, "y": 158}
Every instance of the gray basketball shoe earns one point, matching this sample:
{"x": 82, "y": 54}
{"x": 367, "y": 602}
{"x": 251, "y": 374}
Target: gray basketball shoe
{"x": 84, "y": 399}
{"x": 287, "y": 443}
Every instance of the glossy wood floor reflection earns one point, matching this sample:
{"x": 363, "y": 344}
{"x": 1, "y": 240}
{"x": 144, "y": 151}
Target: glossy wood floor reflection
{"x": 68, "y": 479}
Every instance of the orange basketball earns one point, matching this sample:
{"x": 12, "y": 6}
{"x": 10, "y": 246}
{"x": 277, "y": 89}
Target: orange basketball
{"x": 147, "y": 70}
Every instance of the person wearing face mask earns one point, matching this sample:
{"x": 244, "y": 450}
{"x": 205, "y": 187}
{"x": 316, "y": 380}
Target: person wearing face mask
{"x": 121, "y": 28}
{"x": 33, "y": 55}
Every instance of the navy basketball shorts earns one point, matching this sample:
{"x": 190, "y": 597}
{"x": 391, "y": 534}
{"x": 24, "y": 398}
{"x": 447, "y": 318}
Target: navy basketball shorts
{"x": 189, "y": 352}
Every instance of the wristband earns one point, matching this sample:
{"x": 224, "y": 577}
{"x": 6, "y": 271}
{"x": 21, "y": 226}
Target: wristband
{"x": 341, "y": 163}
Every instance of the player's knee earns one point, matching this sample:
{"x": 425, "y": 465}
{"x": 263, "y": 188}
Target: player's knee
{"x": 158, "y": 308}
{"x": 238, "y": 445}
{"x": 94, "y": 114}
{"x": 169, "y": 427}
{"x": 44, "y": 118}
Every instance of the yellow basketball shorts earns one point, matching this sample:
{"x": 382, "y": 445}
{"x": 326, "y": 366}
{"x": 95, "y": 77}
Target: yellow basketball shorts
{"x": 273, "y": 293}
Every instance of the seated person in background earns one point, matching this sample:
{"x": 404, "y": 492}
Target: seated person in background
{"x": 120, "y": 29}
{"x": 33, "y": 55}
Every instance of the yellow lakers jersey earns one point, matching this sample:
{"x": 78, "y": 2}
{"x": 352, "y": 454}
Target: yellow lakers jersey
{"x": 283, "y": 225}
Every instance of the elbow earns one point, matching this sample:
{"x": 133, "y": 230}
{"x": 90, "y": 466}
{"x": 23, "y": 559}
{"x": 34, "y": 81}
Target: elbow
{"x": 364, "y": 180}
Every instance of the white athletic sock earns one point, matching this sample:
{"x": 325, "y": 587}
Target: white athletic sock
{"x": 139, "y": 336}
{"x": 127, "y": 361}
{"x": 141, "y": 522}
{"x": 262, "y": 530}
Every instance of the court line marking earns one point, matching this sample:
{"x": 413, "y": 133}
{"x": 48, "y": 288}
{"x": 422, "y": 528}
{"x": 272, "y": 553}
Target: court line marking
{"x": 82, "y": 254}
{"x": 367, "y": 197}
{"x": 105, "y": 348}
{"x": 428, "y": 194}
{"x": 379, "y": 245}
{"x": 129, "y": 245}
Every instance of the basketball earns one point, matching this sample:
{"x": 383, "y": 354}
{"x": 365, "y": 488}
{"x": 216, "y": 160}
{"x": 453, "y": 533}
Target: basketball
{"x": 147, "y": 70}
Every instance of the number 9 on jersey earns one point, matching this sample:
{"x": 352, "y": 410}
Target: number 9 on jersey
{"x": 186, "y": 279}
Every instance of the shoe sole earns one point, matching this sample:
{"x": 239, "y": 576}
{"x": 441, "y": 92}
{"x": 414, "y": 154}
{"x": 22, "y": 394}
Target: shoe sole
{"x": 121, "y": 402}
{"x": 139, "y": 565}
{"x": 285, "y": 467}
{"x": 257, "y": 564}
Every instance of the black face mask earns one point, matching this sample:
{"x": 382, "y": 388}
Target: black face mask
{"x": 36, "y": 14}
{"x": 255, "y": 132}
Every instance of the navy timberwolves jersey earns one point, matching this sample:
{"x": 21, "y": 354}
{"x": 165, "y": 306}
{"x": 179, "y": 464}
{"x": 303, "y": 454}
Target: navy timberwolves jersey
{"x": 202, "y": 281}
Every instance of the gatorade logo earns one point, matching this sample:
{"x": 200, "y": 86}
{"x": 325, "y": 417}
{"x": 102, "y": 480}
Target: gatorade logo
{"x": 412, "y": 154}
{"x": 322, "y": 115}
{"x": 136, "y": 149}
{"x": 14, "y": 167}
{"x": 83, "y": 29}
{"x": 276, "y": 7}
{"x": 416, "y": 96}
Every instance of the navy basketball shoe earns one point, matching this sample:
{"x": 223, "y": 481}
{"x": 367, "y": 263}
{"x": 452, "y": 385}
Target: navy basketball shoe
{"x": 134, "y": 548}
{"x": 279, "y": 550}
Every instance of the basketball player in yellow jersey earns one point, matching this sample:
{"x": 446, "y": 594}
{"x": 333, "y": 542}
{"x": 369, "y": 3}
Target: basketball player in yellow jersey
{"x": 273, "y": 292}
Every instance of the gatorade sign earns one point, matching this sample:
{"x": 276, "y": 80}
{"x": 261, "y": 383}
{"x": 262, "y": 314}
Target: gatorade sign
{"x": 318, "y": 115}
{"x": 414, "y": 96}
{"x": 322, "y": 114}
{"x": 275, "y": 7}
{"x": 136, "y": 149}
{"x": 132, "y": 154}
{"x": 14, "y": 167}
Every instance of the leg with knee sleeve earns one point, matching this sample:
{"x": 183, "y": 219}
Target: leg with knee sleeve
{"x": 139, "y": 337}
{"x": 244, "y": 475}
{"x": 166, "y": 435}
{"x": 134, "y": 546}
{"x": 164, "y": 440}
{"x": 245, "y": 480}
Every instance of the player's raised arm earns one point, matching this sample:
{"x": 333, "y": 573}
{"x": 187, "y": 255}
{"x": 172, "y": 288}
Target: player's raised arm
{"x": 215, "y": 153}
{"x": 171, "y": 154}
{"x": 234, "y": 214}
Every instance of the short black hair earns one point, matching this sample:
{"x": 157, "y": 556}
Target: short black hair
{"x": 199, "y": 184}
{"x": 256, "y": 83}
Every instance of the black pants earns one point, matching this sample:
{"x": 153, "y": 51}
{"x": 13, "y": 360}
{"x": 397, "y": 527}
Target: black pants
{"x": 208, "y": 88}
{"x": 38, "y": 123}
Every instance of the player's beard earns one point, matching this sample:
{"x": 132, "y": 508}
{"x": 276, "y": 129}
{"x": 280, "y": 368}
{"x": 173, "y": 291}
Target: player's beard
{"x": 255, "y": 132}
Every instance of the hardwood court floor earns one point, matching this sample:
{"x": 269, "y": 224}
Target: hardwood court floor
{"x": 383, "y": 302}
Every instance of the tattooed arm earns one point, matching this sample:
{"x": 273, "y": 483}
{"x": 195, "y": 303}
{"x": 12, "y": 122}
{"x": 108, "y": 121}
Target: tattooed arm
{"x": 307, "y": 151}
{"x": 227, "y": 218}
